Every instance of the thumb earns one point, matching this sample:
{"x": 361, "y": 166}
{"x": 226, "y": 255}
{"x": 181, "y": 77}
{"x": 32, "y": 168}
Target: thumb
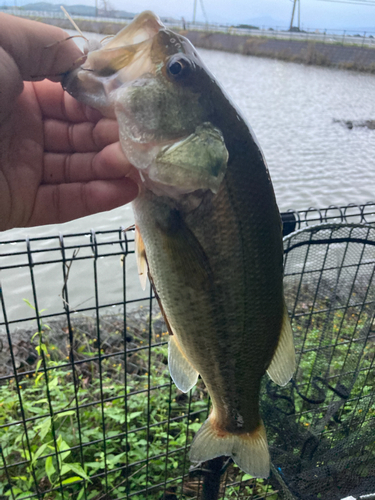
{"x": 32, "y": 46}
{"x": 11, "y": 84}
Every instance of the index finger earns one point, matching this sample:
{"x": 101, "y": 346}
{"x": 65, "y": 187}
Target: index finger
{"x": 57, "y": 104}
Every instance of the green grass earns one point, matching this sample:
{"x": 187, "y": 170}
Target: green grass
{"x": 124, "y": 440}
{"x": 89, "y": 466}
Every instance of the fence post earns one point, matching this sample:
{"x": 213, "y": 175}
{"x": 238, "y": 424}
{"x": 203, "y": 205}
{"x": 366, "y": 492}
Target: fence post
{"x": 343, "y": 38}
{"x": 364, "y": 38}
{"x": 211, "y": 481}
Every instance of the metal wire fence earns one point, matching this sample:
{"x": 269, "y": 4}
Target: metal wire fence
{"x": 329, "y": 287}
{"x": 87, "y": 407}
{"x": 336, "y": 36}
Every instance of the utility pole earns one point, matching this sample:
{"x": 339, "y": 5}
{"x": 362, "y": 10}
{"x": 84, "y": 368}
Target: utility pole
{"x": 195, "y": 11}
{"x": 293, "y": 11}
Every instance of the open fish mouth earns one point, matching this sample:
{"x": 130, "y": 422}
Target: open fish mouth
{"x": 150, "y": 80}
{"x": 124, "y": 59}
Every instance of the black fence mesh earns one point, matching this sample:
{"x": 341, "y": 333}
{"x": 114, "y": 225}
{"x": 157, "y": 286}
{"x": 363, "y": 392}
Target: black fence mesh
{"x": 327, "y": 412}
{"x": 87, "y": 407}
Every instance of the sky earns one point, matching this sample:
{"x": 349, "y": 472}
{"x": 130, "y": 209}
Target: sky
{"x": 314, "y": 13}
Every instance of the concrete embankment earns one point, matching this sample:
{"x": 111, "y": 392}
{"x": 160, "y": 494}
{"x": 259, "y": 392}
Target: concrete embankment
{"x": 317, "y": 53}
{"x": 346, "y": 56}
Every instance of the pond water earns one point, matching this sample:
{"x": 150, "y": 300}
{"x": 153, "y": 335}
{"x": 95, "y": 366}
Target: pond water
{"x": 313, "y": 159}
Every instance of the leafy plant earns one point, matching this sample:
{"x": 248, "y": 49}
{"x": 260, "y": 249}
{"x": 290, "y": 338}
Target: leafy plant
{"x": 82, "y": 434}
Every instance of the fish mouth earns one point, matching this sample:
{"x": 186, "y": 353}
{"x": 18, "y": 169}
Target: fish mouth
{"x": 142, "y": 78}
{"x": 124, "y": 59}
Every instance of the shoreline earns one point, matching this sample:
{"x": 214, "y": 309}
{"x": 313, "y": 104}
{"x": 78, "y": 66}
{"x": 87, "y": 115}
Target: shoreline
{"x": 335, "y": 55}
{"x": 350, "y": 57}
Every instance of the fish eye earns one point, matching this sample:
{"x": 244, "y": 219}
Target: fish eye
{"x": 175, "y": 68}
{"x": 178, "y": 67}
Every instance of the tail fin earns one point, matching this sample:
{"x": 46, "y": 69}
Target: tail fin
{"x": 248, "y": 450}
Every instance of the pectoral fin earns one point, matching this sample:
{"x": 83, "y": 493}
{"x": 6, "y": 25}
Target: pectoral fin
{"x": 140, "y": 253}
{"x": 183, "y": 373}
{"x": 187, "y": 258}
{"x": 283, "y": 362}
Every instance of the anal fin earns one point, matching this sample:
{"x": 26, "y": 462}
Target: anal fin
{"x": 283, "y": 363}
{"x": 248, "y": 450}
{"x": 183, "y": 373}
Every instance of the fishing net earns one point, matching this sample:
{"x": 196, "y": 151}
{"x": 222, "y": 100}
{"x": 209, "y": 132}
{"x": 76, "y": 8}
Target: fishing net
{"x": 321, "y": 426}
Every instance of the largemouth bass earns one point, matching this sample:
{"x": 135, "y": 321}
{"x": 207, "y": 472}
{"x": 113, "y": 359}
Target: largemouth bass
{"x": 207, "y": 227}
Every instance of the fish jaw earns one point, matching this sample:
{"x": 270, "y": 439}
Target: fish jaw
{"x": 143, "y": 27}
{"x": 191, "y": 159}
{"x": 88, "y": 90}
{"x": 122, "y": 60}
{"x": 95, "y": 82}
{"x": 137, "y": 50}
{"x": 165, "y": 126}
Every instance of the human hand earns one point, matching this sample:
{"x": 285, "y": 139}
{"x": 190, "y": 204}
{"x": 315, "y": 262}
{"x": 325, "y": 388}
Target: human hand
{"x": 59, "y": 159}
